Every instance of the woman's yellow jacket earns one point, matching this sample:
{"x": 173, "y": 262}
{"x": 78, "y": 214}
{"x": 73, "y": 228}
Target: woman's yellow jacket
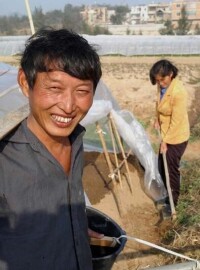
{"x": 172, "y": 114}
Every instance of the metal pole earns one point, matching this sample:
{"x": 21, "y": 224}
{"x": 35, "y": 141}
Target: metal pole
{"x": 179, "y": 266}
{"x": 30, "y": 16}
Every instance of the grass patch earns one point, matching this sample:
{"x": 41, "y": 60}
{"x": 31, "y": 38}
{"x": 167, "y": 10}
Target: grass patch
{"x": 195, "y": 132}
{"x": 186, "y": 229}
{"x": 184, "y": 234}
{"x": 188, "y": 207}
{"x": 145, "y": 122}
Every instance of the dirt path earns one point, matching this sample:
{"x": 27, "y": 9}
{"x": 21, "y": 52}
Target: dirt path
{"x": 134, "y": 212}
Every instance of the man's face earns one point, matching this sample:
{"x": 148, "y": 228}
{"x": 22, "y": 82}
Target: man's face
{"x": 58, "y": 102}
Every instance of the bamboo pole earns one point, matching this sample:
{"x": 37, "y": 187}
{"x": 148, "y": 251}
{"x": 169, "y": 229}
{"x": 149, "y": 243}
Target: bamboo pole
{"x": 112, "y": 174}
{"x": 122, "y": 150}
{"x": 115, "y": 153}
{"x": 99, "y": 131}
{"x": 122, "y": 163}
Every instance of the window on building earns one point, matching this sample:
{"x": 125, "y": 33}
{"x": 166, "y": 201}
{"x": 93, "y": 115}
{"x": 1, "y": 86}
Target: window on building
{"x": 191, "y": 6}
{"x": 178, "y": 14}
{"x": 191, "y": 12}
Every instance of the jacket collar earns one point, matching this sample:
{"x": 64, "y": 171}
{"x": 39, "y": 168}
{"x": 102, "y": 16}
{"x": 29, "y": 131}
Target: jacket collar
{"x": 168, "y": 91}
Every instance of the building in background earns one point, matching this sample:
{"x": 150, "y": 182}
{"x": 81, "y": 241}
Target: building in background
{"x": 96, "y": 15}
{"x": 192, "y": 11}
{"x": 138, "y": 14}
{"x": 143, "y": 17}
{"x": 152, "y": 13}
{"x": 158, "y": 13}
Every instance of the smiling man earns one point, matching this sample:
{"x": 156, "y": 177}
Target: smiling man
{"x": 43, "y": 223}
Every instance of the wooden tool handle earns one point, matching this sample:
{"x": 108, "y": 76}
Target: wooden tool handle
{"x": 106, "y": 241}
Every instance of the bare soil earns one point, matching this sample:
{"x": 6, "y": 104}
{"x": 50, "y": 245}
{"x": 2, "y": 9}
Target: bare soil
{"x": 134, "y": 211}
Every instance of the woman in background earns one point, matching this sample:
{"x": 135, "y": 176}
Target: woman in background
{"x": 171, "y": 121}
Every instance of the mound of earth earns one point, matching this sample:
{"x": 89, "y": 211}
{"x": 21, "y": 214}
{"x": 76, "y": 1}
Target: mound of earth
{"x": 128, "y": 205}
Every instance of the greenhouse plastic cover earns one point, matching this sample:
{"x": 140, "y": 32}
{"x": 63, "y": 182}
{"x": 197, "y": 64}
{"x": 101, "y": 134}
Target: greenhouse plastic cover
{"x": 131, "y": 131}
{"x": 121, "y": 44}
{"x": 11, "y": 98}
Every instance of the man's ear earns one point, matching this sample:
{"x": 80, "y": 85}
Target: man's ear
{"x": 21, "y": 78}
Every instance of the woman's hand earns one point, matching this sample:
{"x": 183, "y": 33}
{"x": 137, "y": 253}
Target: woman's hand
{"x": 163, "y": 147}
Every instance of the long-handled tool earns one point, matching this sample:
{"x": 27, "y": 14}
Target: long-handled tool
{"x": 106, "y": 241}
{"x": 171, "y": 202}
{"x": 173, "y": 211}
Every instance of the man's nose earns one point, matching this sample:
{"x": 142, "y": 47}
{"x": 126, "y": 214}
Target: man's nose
{"x": 67, "y": 102}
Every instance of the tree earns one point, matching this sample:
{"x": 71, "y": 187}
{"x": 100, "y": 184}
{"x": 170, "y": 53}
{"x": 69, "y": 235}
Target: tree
{"x": 38, "y": 18}
{"x": 183, "y": 23}
{"x": 54, "y": 18}
{"x": 120, "y": 14}
{"x": 97, "y": 30}
{"x": 168, "y": 30}
{"x": 13, "y": 25}
{"x": 72, "y": 18}
{"x": 6, "y": 26}
{"x": 128, "y": 31}
{"x": 140, "y": 32}
{"x": 197, "y": 29}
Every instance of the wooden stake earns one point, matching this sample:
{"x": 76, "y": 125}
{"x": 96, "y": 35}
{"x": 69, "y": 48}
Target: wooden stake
{"x": 169, "y": 187}
{"x": 115, "y": 153}
{"x": 123, "y": 161}
{"x": 169, "y": 191}
{"x": 122, "y": 150}
{"x": 106, "y": 241}
{"x": 99, "y": 131}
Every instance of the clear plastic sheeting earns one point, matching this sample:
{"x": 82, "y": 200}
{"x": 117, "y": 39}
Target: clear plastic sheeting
{"x": 132, "y": 133}
{"x": 121, "y": 44}
{"x": 11, "y": 45}
{"x": 11, "y": 98}
{"x": 146, "y": 45}
{"x": 102, "y": 105}
{"x": 136, "y": 138}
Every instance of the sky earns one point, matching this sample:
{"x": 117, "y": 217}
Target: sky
{"x": 10, "y": 7}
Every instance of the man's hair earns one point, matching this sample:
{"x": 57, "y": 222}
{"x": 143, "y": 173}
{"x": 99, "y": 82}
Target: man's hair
{"x": 62, "y": 50}
{"x": 162, "y": 68}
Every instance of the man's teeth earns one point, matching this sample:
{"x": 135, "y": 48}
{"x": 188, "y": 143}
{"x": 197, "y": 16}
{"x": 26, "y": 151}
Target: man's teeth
{"x": 62, "y": 119}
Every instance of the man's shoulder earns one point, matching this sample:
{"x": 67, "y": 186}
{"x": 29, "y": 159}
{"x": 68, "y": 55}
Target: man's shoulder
{"x": 15, "y": 135}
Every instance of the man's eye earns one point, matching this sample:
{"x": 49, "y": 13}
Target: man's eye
{"x": 54, "y": 89}
{"x": 83, "y": 91}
